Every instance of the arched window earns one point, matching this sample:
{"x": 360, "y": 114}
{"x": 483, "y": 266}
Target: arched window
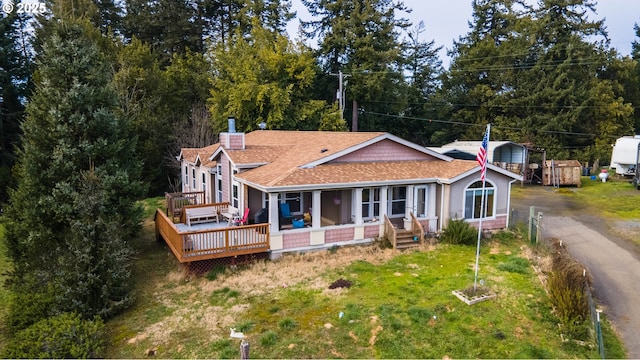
{"x": 473, "y": 200}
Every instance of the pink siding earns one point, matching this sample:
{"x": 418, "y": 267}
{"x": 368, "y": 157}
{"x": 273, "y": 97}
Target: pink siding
{"x": 500, "y": 222}
{"x": 371, "y": 231}
{"x": 295, "y": 239}
{"x": 385, "y": 150}
{"x": 338, "y": 235}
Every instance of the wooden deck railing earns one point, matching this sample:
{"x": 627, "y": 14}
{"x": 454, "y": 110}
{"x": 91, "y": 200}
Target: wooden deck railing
{"x": 220, "y": 208}
{"x": 211, "y": 244}
{"x": 176, "y": 201}
{"x": 390, "y": 231}
{"x": 416, "y": 228}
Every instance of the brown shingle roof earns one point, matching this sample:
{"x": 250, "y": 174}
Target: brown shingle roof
{"x": 191, "y": 154}
{"x": 286, "y": 151}
{"x": 342, "y": 173}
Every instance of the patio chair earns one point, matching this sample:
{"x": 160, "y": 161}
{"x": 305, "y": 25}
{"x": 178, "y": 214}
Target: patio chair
{"x": 285, "y": 212}
{"x": 244, "y": 220}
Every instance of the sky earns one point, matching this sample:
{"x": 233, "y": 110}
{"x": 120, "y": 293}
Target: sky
{"x": 447, "y": 20}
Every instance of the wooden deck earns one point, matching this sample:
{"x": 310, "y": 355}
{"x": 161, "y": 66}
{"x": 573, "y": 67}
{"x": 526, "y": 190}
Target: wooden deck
{"x": 212, "y": 240}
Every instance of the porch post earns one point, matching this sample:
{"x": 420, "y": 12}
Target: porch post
{"x": 274, "y": 214}
{"x": 358, "y": 206}
{"x": 431, "y": 210}
{"x": 316, "y": 202}
{"x": 384, "y": 201}
{"x": 409, "y": 206}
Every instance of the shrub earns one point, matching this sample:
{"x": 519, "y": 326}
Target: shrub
{"x": 269, "y": 338}
{"x": 567, "y": 290}
{"x": 287, "y": 324}
{"x": 62, "y": 336}
{"x": 459, "y": 231}
{"x": 217, "y": 270}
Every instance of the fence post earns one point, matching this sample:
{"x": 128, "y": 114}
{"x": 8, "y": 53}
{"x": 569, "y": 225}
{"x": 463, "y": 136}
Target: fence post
{"x": 599, "y": 333}
{"x": 244, "y": 349}
{"x": 539, "y": 227}
{"x": 532, "y": 210}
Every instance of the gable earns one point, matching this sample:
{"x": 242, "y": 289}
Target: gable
{"x": 384, "y": 150}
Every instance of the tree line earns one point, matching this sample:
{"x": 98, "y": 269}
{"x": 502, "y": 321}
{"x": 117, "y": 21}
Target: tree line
{"x": 98, "y": 96}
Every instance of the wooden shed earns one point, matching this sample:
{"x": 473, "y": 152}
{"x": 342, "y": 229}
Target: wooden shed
{"x": 561, "y": 172}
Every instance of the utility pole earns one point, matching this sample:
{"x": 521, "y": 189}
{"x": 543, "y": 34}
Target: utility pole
{"x": 340, "y": 94}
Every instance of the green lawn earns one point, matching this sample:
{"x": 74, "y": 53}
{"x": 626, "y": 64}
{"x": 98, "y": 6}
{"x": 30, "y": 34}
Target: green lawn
{"x": 400, "y": 308}
{"x": 615, "y": 199}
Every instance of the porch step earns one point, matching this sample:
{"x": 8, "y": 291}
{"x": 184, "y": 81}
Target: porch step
{"x": 405, "y": 239}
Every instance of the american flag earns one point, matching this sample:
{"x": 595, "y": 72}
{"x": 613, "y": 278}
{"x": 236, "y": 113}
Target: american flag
{"x": 481, "y": 158}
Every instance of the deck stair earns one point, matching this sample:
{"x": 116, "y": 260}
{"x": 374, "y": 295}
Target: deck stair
{"x": 406, "y": 239}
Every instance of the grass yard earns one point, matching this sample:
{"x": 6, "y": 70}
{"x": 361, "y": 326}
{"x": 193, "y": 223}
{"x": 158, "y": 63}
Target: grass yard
{"x": 618, "y": 199}
{"x": 399, "y": 306}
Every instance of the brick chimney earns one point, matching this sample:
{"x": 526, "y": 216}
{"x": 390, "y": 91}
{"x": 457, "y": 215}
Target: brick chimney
{"x": 232, "y": 140}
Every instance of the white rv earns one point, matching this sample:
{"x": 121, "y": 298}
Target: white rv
{"x": 624, "y": 157}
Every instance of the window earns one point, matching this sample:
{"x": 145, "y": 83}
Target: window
{"x": 473, "y": 200}
{"x": 204, "y": 182}
{"x": 219, "y": 183}
{"x": 370, "y": 203}
{"x": 235, "y": 201}
{"x": 398, "y": 200}
{"x": 235, "y": 190}
{"x": 193, "y": 175}
{"x": 421, "y": 201}
{"x": 186, "y": 176}
{"x": 295, "y": 201}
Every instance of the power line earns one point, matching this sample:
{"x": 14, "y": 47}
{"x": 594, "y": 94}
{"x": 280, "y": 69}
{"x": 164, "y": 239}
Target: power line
{"x": 480, "y": 125}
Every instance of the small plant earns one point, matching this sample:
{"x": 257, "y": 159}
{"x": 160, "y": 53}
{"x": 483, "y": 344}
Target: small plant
{"x": 382, "y": 242}
{"x": 217, "y": 270}
{"x": 470, "y": 291}
{"x": 515, "y": 265}
{"x": 269, "y": 338}
{"x": 244, "y": 326}
{"x": 333, "y": 249}
{"x": 287, "y": 324}
{"x": 459, "y": 232}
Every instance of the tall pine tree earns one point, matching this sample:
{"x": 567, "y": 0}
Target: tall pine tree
{"x": 72, "y": 215}
{"x": 15, "y": 78}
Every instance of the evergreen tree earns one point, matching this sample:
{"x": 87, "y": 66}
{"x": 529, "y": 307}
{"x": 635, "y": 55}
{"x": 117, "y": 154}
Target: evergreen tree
{"x": 423, "y": 68}
{"x": 168, "y": 26}
{"x": 566, "y": 84}
{"x": 361, "y": 38}
{"x": 223, "y": 18}
{"x": 485, "y": 67}
{"x": 15, "y": 79}
{"x": 72, "y": 215}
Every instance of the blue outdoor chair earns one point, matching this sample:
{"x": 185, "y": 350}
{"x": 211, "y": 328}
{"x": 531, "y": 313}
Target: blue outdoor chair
{"x": 285, "y": 212}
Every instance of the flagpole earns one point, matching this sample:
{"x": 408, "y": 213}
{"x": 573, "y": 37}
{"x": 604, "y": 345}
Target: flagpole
{"x": 482, "y": 211}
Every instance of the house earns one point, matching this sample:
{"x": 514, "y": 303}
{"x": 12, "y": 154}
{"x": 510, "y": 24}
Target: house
{"x": 624, "y": 156}
{"x": 505, "y": 154}
{"x": 341, "y": 188}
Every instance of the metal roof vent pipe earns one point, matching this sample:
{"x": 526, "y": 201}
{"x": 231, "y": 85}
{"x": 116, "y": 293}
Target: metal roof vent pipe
{"x": 232, "y": 124}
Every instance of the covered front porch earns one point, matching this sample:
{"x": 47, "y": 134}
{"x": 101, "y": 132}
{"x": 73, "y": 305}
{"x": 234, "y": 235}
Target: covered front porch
{"x": 322, "y": 218}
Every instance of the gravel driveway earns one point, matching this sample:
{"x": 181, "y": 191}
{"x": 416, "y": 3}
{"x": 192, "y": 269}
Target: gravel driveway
{"x": 605, "y": 249}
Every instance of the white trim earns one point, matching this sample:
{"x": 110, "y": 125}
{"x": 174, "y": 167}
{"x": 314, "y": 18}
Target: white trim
{"x": 493, "y": 187}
